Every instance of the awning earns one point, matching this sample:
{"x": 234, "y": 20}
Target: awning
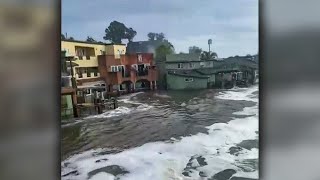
{"x": 95, "y": 84}
{"x": 72, "y": 63}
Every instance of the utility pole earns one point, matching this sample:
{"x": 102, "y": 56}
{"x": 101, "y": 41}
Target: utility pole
{"x": 209, "y": 43}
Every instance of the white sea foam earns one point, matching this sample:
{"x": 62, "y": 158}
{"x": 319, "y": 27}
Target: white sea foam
{"x": 162, "y": 95}
{"x": 239, "y": 94}
{"x": 127, "y": 98}
{"x": 121, "y": 111}
{"x": 103, "y": 176}
{"x": 163, "y": 160}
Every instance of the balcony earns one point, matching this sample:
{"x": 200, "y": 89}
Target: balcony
{"x": 87, "y": 75}
{"x": 142, "y": 73}
{"x": 126, "y": 74}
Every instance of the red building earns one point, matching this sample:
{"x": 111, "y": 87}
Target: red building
{"x": 128, "y": 73}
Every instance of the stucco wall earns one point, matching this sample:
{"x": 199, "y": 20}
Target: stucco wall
{"x": 99, "y": 49}
{"x": 186, "y": 65}
{"x": 178, "y": 82}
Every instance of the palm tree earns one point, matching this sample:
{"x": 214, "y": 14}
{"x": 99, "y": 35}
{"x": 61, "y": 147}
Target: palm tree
{"x": 205, "y": 55}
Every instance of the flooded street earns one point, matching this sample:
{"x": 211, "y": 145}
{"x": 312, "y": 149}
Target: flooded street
{"x": 207, "y": 134}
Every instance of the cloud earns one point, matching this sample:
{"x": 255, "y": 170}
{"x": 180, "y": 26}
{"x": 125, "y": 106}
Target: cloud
{"x": 185, "y": 23}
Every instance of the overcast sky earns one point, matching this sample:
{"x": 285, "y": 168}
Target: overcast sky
{"x": 232, "y": 24}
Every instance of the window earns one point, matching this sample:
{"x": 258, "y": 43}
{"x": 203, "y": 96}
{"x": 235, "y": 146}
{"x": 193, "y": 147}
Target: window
{"x": 88, "y": 71}
{"x": 135, "y": 66}
{"x": 180, "y": 65}
{"x": 190, "y": 65}
{"x": 208, "y": 64}
{"x": 79, "y": 72}
{"x": 201, "y": 64}
{"x": 188, "y": 79}
{"x": 139, "y": 58}
{"x": 95, "y": 71}
{"x": 114, "y": 68}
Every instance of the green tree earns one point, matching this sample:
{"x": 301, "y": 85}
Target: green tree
{"x": 130, "y": 34}
{"x": 195, "y": 50}
{"x": 63, "y": 37}
{"x": 90, "y": 39}
{"x": 160, "y": 36}
{"x": 151, "y": 36}
{"x": 117, "y": 31}
{"x": 205, "y": 55}
{"x": 163, "y": 50}
{"x": 71, "y": 38}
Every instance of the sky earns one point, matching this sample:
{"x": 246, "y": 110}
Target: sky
{"x": 231, "y": 24}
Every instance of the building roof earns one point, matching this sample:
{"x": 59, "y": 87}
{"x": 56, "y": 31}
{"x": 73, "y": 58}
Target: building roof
{"x": 240, "y": 60}
{"x": 182, "y": 58}
{"x": 95, "y": 84}
{"x": 206, "y": 71}
{"x": 187, "y": 73}
{"x": 86, "y": 42}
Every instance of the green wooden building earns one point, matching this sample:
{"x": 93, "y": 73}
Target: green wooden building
{"x": 187, "y": 71}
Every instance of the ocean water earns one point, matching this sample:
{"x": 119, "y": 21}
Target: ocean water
{"x": 208, "y": 134}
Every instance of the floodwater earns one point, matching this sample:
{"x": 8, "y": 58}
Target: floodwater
{"x": 208, "y": 134}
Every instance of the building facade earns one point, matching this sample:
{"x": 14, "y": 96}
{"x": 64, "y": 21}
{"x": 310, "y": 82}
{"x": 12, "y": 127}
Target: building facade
{"x": 181, "y": 80}
{"x": 187, "y": 71}
{"x": 85, "y": 54}
{"x": 128, "y": 73}
{"x": 187, "y": 62}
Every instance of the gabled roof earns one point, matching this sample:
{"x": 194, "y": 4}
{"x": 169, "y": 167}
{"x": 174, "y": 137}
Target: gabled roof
{"x": 86, "y": 42}
{"x": 206, "y": 71}
{"x": 242, "y": 61}
{"x": 182, "y": 57}
{"x": 187, "y": 73}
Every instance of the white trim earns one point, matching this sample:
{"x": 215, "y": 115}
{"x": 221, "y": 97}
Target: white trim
{"x": 180, "y": 65}
{"x": 114, "y": 68}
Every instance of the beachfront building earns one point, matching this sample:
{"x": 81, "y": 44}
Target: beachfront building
{"x": 128, "y": 73}
{"x": 150, "y": 46}
{"x": 85, "y": 55}
{"x": 68, "y": 92}
{"x": 187, "y": 71}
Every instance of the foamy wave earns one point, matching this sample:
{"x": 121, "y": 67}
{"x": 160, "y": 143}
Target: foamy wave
{"x": 127, "y": 98}
{"x": 143, "y": 107}
{"x": 162, "y": 95}
{"x": 163, "y": 160}
{"x": 239, "y": 94}
{"x": 121, "y": 111}
{"x": 112, "y": 113}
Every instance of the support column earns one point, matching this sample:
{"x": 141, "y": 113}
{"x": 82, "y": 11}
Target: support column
{"x": 118, "y": 90}
{"x": 222, "y": 81}
{"x": 235, "y": 79}
{"x": 74, "y": 105}
{"x": 134, "y": 86}
{"x": 155, "y": 85}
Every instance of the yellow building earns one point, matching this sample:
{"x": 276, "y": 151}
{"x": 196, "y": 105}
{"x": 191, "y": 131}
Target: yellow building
{"x": 86, "y": 54}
